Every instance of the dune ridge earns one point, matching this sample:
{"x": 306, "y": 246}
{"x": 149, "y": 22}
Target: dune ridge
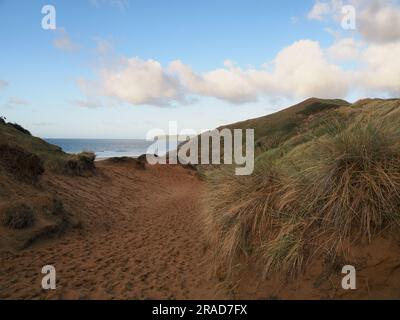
{"x": 325, "y": 193}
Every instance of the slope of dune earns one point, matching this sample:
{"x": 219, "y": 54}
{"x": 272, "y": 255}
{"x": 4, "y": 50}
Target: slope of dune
{"x": 126, "y": 230}
{"x": 122, "y": 229}
{"x": 280, "y": 126}
{"x": 139, "y": 238}
{"x": 29, "y": 210}
{"x": 325, "y": 193}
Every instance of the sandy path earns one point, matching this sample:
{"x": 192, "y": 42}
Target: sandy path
{"x": 141, "y": 240}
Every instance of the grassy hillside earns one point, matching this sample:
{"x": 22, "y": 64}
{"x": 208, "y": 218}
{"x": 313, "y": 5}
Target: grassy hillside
{"x": 54, "y": 159}
{"x": 273, "y": 129}
{"x": 30, "y": 208}
{"x": 327, "y": 174}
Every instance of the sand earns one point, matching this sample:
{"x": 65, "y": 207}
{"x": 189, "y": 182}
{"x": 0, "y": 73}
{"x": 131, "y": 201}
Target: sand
{"x": 140, "y": 239}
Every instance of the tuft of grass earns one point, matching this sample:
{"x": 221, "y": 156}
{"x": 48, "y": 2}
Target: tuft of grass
{"x": 335, "y": 182}
{"x": 78, "y": 164}
{"x": 285, "y": 251}
{"x": 22, "y": 164}
{"x": 241, "y": 210}
{"x": 19, "y": 217}
{"x": 352, "y": 180}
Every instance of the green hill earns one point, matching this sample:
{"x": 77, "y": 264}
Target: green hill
{"x": 13, "y": 136}
{"x": 272, "y": 129}
{"x": 327, "y": 173}
{"x": 30, "y": 208}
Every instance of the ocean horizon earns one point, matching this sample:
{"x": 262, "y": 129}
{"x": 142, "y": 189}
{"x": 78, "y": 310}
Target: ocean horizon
{"x": 109, "y": 148}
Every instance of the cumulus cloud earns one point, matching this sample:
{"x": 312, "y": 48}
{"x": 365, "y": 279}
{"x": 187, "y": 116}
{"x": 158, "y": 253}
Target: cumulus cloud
{"x": 64, "y": 42}
{"x": 229, "y": 83}
{"x": 302, "y": 70}
{"x": 377, "y": 21}
{"x": 380, "y": 21}
{"x": 345, "y": 49}
{"x": 319, "y": 11}
{"x": 136, "y": 81}
{"x": 292, "y": 75}
{"x": 377, "y": 51}
{"x": 381, "y": 70}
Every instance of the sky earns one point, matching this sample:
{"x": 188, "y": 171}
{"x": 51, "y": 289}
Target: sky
{"x": 119, "y": 68}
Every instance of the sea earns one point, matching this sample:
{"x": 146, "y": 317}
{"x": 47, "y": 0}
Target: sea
{"x": 108, "y": 148}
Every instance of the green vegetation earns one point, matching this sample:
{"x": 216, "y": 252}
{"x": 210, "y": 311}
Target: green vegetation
{"x": 18, "y": 141}
{"x": 274, "y": 129}
{"x": 18, "y": 217}
{"x": 326, "y": 173}
{"x": 30, "y": 208}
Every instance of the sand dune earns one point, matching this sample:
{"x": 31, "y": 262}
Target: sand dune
{"x": 141, "y": 239}
{"x": 128, "y": 230}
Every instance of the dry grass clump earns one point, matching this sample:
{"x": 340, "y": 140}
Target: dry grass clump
{"x": 22, "y": 164}
{"x": 79, "y": 164}
{"x": 344, "y": 185}
{"x": 242, "y": 210}
{"x": 352, "y": 181}
{"x": 139, "y": 162}
{"x": 19, "y": 217}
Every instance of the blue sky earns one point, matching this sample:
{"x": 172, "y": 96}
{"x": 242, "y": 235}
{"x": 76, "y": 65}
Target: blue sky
{"x": 118, "y": 68}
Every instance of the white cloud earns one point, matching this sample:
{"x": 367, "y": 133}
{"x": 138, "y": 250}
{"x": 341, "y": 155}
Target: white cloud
{"x": 377, "y": 21}
{"x": 381, "y": 71}
{"x": 319, "y": 11}
{"x": 292, "y": 75}
{"x": 135, "y": 81}
{"x": 344, "y": 49}
{"x": 302, "y": 70}
{"x": 298, "y": 71}
{"x": 380, "y": 22}
{"x": 64, "y": 42}
{"x": 230, "y": 83}
{"x": 376, "y": 54}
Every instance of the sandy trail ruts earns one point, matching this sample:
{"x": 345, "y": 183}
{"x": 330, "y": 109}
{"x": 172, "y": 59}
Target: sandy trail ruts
{"x": 141, "y": 239}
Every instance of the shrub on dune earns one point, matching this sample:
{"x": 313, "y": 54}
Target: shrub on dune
{"x": 79, "y": 164}
{"x": 23, "y": 164}
{"x": 353, "y": 180}
{"x": 301, "y": 203}
{"x": 19, "y": 217}
{"x": 242, "y": 211}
